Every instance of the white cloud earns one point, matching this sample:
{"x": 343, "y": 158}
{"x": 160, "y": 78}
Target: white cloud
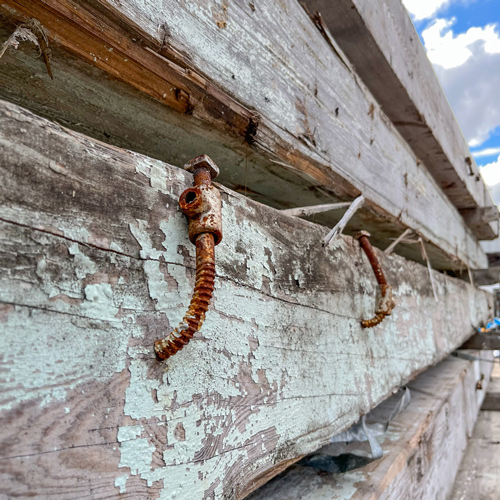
{"x": 468, "y": 67}
{"x": 449, "y": 51}
{"x": 491, "y": 172}
{"x": 486, "y": 152}
{"x": 424, "y": 9}
{"x": 495, "y": 193}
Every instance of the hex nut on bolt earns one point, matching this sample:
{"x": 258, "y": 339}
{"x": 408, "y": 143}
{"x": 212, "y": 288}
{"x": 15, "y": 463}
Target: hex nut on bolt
{"x": 203, "y": 161}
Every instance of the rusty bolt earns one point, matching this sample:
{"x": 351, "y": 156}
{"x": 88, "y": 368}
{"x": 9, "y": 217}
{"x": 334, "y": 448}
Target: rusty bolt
{"x": 386, "y": 303}
{"x": 202, "y": 206}
{"x": 479, "y": 383}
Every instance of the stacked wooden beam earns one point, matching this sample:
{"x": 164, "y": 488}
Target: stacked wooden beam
{"x": 96, "y": 264}
{"x": 100, "y": 99}
{"x": 379, "y": 39}
{"x": 423, "y": 445}
{"x": 259, "y": 86}
{"x": 479, "y": 474}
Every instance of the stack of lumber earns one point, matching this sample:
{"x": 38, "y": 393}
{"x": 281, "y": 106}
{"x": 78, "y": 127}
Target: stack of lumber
{"x": 96, "y": 264}
{"x": 479, "y": 475}
{"x": 423, "y": 445}
{"x": 102, "y": 102}
{"x": 264, "y": 89}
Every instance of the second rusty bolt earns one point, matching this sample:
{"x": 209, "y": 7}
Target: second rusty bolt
{"x": 386, "y": 303}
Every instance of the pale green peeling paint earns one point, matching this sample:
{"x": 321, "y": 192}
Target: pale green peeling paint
{"x": 121, "y": 482}
{"x": 83, "y": 264}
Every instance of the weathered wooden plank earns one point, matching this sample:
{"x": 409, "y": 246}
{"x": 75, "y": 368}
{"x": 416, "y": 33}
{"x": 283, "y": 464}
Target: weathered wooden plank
{"x": 491, "y": 275}
{"x": 422, "y": 447}
{"x": 492, "y": 399}
{"x": 96, "y": 265}
{"x": 314, "y": 124}
{"x": 488, "y": 276}
{"x": 479, "y": 475}
{"x": 480, "y": 215}
{"x": 489, "y": 341}
{"x": 380, "y": 40}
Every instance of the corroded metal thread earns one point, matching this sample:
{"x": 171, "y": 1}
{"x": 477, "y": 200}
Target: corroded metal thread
{"x": 202, "y": 205}
{"x": 370, "y": 323}
{"x": 386, "y": 303}
{"x": 202, "y": 294}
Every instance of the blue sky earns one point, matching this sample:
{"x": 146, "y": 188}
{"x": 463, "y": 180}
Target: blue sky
{"x": 462, "y": 40}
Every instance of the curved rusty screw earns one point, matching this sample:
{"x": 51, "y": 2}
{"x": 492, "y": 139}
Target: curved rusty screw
{"x": 386, "y": 303}
{"x": 202, "y": 205}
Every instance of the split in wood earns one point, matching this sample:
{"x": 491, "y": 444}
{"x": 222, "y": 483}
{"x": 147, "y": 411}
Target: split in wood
{"x": 397, "y": 241}
{"x": 357, "y": 203}
{"x": 202, "y": 205}
{"x": 315, "y": 209}
{"x": 386, "y": 303}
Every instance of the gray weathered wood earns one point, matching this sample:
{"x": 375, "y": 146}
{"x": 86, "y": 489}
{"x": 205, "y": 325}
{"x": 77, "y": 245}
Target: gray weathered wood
{"x": 489, "y": 341}
{"x": 491, "y": 275}
{"x": 96, "y": 264}
{"x": 492, "y": 399}
{"x": 422, "y": 447}
{"x": 314, "y": 124}
{"x": 480, "y": 215}
{"x": 479, "y": 475}
{"x": 380, "y": 40}
{"x": 488, "y": 276}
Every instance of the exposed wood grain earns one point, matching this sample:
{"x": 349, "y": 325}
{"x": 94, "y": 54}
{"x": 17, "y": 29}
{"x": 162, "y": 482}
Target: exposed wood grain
{"x": 315, "y": 121}
{"x": 422, "y": 447}
{"x": 380, "y": 40}
{"x": 96, "y": 264}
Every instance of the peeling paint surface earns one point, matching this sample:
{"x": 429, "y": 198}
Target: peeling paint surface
{"x": 281, "y": 364}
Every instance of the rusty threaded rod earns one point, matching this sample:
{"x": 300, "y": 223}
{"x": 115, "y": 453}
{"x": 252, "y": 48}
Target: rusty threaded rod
{"x": 202, "y": 294}
{"x": 202, "y": 205}
{"x": 386, "y": 304}
{"x": 365, "y": 244}
{"x": 370, "y": 323}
